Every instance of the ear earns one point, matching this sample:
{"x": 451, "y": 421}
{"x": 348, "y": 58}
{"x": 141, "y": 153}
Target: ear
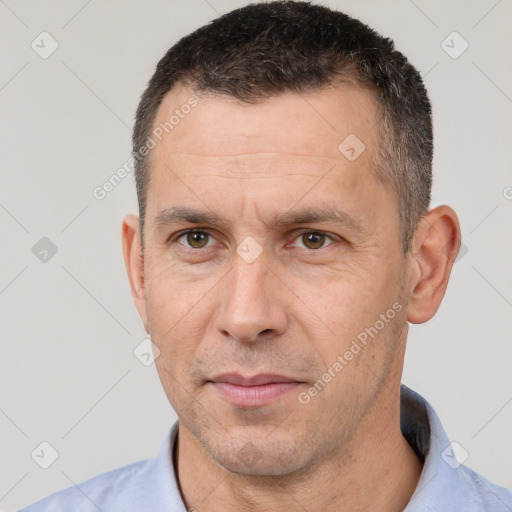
{"x": 434, "y": 249}
{"x": 134, "y": 262}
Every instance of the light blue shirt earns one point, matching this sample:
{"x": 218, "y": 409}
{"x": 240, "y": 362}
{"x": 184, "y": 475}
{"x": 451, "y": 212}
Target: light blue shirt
{"x": 151, "y": 485}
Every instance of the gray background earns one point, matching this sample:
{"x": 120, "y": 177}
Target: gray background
{"x": 68, "y": 373}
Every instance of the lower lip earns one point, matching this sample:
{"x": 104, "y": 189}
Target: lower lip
{"x": 253, "y": 396}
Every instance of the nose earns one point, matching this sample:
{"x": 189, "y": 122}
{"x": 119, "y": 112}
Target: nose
{"x": 252, "y": 306}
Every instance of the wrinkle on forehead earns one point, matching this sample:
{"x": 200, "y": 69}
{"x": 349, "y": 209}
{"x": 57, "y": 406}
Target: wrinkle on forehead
{"x": 253, "y": 176}
{"x": 254, "y": 164}
{"x": 262, "y": 154}
{"x": 275, "y": 166}
{"x": 252, "y": 161}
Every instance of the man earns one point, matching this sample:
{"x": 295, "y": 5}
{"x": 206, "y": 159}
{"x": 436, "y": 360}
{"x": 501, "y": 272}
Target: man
{"x": 284, "y": 242}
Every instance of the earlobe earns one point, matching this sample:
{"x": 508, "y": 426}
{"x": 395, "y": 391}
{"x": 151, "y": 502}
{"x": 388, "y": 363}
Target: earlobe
{"x": 435, "y": 247}
{"x": 134, "y": 263}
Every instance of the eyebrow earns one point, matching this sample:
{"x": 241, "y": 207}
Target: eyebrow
{"x": 308, "y": 215}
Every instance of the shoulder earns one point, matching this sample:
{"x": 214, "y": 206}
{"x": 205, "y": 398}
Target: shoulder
{"x": 445, "y": 483}
{"x": 148, "y": 484}
{"x": 118, "y": 485}
{"x": 484, "y": 494}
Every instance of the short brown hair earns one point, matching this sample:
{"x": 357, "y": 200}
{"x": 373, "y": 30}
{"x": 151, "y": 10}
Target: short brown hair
{"x": 266, "y": 49}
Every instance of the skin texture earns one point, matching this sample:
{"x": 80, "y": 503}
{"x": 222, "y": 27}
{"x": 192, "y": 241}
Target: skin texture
{"x": 292, "y": 311}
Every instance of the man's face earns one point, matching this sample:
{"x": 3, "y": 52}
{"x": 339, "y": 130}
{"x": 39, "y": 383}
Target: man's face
{"x": 269, "y": 291}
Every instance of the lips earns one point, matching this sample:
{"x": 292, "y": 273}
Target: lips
{"x": 255, "y": 380}
{"x": 253, "y": 391}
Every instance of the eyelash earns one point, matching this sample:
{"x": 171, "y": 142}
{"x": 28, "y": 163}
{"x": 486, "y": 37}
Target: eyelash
{"x": 189, "y": 231}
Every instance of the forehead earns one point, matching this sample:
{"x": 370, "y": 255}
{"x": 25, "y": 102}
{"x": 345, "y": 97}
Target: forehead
{"x": 313, "y": 123}
{"x": 224, "y": 153}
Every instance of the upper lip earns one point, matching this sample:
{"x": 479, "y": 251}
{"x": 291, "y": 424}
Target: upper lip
{"x": 254, "y": 380}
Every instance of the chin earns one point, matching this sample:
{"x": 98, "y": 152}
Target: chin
{"x": 258, "y": 458}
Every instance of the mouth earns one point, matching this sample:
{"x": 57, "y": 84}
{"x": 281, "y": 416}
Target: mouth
{"x": 253, "y": 391}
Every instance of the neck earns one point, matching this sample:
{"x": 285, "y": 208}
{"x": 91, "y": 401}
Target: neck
{"x": 375, "y": 469}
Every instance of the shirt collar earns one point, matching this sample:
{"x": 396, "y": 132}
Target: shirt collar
{"x": 444, "y": 483}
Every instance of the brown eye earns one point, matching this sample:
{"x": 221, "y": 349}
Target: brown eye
{"x": 196, "y": 239}
{"x": 313, "y": 240}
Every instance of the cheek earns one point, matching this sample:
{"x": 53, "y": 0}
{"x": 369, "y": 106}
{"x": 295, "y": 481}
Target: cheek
{"x": 342, "y": 303}
{"x": 171, "y": 291}
{"x": 348, "y": 305}
{"x": 176, "y": 310}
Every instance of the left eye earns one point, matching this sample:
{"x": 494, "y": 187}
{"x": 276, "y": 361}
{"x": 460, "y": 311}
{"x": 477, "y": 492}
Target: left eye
{"x": 313, "y": 240}
{"x": 196, "y": 239}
